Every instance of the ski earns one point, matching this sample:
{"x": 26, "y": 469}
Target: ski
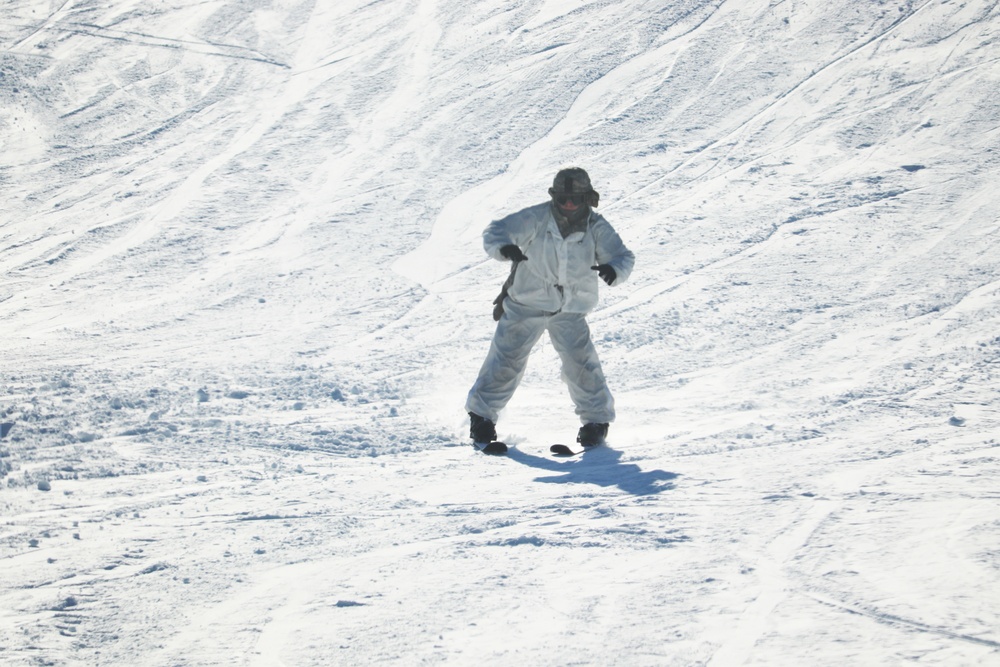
{"x": 496, "y": 447}
{"x": 565, "y": 450}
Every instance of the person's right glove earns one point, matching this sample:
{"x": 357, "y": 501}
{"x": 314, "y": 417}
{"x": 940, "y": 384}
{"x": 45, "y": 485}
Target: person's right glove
{"x": 513, "y": 253}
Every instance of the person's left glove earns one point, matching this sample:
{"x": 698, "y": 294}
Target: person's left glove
{"x": 606, "y": 273}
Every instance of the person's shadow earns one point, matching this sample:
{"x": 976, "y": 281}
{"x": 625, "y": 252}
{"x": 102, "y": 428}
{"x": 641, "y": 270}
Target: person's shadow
{"x": 601, "y": 466}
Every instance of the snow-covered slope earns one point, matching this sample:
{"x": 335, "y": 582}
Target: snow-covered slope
{"x": 242, "y": 296}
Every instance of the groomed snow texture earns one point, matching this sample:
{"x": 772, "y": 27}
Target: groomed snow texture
{"x": 243, "y": 295}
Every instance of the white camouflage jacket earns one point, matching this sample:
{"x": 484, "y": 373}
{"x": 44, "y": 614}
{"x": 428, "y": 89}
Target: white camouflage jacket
{"x": 557, "y": 276}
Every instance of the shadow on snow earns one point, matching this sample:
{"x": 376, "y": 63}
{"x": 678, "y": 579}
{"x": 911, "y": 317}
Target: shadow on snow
{"x": 601, "y": 466}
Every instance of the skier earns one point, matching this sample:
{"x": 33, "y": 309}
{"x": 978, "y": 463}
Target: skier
{"x": 559, "y": 249}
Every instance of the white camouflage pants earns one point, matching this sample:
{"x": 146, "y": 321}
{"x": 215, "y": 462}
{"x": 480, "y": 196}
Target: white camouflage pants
{"x": 517, "y": 332}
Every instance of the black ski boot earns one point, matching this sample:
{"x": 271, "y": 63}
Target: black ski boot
{"x": 484, "y": 435}
{"x": 481, "y": 429}
{"x": 592, "y": 435}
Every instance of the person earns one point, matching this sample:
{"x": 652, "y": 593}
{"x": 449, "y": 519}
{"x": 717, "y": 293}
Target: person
{"x": 559, "y": 249}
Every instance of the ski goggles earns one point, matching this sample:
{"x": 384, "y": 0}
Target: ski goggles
{"x": 575, "y": 198}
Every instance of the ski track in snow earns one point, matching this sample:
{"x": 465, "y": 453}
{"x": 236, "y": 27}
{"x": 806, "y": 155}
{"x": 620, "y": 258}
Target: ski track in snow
{"x": 243, "y": 295}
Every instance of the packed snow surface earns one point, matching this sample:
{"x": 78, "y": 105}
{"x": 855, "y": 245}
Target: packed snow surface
{"x": 243, "y": 296}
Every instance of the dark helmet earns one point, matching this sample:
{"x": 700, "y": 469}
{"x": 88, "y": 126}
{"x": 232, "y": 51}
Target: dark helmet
{"x": 573, "y": 184}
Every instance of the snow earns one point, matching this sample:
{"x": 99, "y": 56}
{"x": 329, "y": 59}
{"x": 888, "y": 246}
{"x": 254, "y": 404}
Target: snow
{"x": 243, "y": 297}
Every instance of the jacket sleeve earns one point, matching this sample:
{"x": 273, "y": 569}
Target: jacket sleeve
{"x": 516, "y": 228}
{"x": 611, "y": 250}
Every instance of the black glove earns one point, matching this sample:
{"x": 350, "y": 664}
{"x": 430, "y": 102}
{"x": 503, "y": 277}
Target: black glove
{"x": 606, "y": 273}
{"x": 513, "y": 253}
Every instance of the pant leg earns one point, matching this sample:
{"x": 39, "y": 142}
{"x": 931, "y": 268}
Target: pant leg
{"x": 581, "y": 369}
{"x": 517, "y": 332}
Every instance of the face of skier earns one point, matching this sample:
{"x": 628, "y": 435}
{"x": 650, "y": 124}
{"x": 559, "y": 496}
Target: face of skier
{"x": 572, "y": 194}
{"x": 570, "y": 202}
{"x": 573, "y": 206}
